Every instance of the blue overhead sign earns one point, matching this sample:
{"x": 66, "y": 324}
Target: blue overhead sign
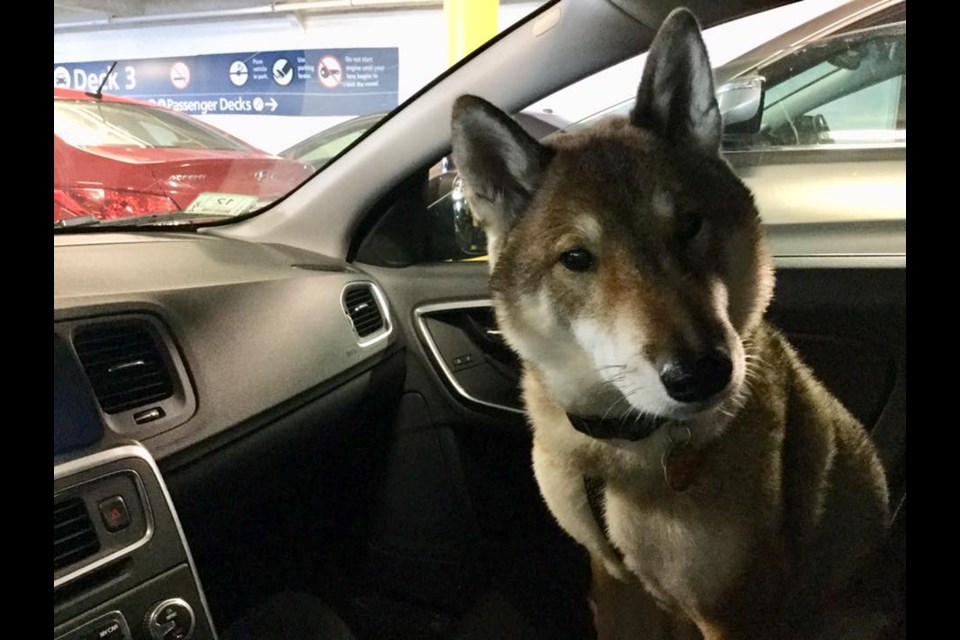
{"x": 300, "y": 82}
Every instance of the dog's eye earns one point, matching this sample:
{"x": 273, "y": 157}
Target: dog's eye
{"x": 689, "y": 226}
{"x": 578, "y": 259}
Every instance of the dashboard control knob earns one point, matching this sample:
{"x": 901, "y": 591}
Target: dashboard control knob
{"x": 171, "y": 619}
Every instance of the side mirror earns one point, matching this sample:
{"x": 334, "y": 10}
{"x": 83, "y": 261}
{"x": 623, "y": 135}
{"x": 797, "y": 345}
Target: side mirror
{"x": 470, "y": 238}
{"x": 741, "y": 105}
{"x": 453, "y": 233}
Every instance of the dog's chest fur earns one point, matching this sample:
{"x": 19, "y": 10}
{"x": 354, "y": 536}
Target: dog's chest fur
{"x": 680, "y": 552}
{"x": 685, "y": 547}
{"x": 688, "y": 547}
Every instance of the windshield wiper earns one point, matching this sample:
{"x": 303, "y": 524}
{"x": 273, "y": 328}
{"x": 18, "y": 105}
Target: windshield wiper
{"x": 176, "y": 218}
{"x": 79, "y": 221}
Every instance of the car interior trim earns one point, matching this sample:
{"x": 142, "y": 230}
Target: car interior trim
{"x": 91, "y": 462}
{"x": 842, "y": 261}
{"x": 176, "y": 409}
{"x": 424, "y": 310}
{"x": 115, "y": 616}
{"x": 186, "y": 456}
{"x": 847, "y": 240}
{"x": 133, "y": 450}
{"x": 152, "y": 620}
{"x": 317, "y": 341}
{"x": 384, "y": 311}
{"x": 829, "y": 148}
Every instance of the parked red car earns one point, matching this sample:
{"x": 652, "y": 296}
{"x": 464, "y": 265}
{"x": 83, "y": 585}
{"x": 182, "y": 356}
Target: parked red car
{"x": 154, "y": 160}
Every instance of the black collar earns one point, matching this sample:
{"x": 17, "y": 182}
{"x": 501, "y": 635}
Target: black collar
{"x": 633, "y": 426}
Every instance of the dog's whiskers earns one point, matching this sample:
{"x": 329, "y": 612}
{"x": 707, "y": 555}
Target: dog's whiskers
{"x": 612, "y": 366}
{"x": 622, "y": 398}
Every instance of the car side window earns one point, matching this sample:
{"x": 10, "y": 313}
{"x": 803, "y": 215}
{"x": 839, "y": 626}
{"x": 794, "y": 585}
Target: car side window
{"x": 323, "y": 154}
{"x": 849, "y": 89}
{"x": 876, "y": 113}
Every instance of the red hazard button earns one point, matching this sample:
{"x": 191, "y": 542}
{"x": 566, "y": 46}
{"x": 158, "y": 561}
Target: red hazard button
{"x": 114, "y": 513}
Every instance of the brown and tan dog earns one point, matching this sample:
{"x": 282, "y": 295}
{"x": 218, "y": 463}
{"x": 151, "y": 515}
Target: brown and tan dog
{"x": 677, "y": 435}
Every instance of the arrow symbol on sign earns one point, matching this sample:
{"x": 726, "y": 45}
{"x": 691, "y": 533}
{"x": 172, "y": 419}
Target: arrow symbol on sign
{"x": 272, "y": 103}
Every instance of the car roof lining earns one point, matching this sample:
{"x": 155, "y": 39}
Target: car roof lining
{"x": 324, "y": 213}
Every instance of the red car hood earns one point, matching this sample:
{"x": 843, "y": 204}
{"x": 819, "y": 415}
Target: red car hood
{"x": 183, "y": 174}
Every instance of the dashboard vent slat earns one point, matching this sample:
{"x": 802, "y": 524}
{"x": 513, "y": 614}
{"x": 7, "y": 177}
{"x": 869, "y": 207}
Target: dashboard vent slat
{"x": 74, "y": 537}
{"x": 124, "y": 365}
{"x": 364, "y": 310}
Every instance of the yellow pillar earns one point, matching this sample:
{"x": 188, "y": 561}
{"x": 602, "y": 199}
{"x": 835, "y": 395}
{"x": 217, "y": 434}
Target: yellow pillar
{"x": 470, "y": 23}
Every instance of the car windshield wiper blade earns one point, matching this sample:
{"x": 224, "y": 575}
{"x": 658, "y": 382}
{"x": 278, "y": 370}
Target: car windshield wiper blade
{"x": 79, "y": 221}
{"x": 164, "y": 219}
{"x": 175, "y": 218}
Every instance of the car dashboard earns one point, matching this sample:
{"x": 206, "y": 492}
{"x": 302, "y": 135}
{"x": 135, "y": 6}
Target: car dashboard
{"x": 167, "y": 348}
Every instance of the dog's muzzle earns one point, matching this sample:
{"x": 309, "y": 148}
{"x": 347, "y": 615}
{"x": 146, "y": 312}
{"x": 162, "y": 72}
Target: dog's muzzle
{"x": 632, "y": 426}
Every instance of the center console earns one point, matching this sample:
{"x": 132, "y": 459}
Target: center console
{"x": 121, "y": 566}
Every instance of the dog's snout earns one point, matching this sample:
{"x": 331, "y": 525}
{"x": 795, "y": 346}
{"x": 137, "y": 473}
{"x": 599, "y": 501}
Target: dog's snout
{"x": 695, "y": 379}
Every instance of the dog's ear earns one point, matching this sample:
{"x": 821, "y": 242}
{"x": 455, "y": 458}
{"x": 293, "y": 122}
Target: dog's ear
{"x": 499, "y": 162}
{"x": 676, "y": 98}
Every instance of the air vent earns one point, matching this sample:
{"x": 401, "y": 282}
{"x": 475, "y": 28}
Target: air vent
{"x": 74, "y": 537}
{"x": 364, "y": 312}
{"x": 124, "y": 365}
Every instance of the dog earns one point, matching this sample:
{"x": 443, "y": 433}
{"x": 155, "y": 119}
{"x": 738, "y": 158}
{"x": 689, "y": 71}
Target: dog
{"x": 721, "y": 491}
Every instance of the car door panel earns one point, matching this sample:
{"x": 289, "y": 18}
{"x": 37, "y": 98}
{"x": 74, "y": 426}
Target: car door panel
{"x": 497, "y": 535}
{"x": 847, "y": 322}
{"x": 465, "y": 345}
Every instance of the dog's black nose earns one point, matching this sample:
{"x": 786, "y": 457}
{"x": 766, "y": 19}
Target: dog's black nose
{"x": 696, "y": 379}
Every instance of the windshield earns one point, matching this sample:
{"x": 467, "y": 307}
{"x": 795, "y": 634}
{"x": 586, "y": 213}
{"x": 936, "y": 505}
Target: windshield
{"x": 94, "y": 123}
{"x": 221, "y": 112}
{"x": 178, "y": 108}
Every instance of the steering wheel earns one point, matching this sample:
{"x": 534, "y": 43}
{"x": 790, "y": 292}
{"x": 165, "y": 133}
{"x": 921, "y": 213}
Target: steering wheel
{"x": 821, "y": 128}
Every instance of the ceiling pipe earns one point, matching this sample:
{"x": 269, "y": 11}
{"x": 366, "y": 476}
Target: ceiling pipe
{"x": 277, "y": 8}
